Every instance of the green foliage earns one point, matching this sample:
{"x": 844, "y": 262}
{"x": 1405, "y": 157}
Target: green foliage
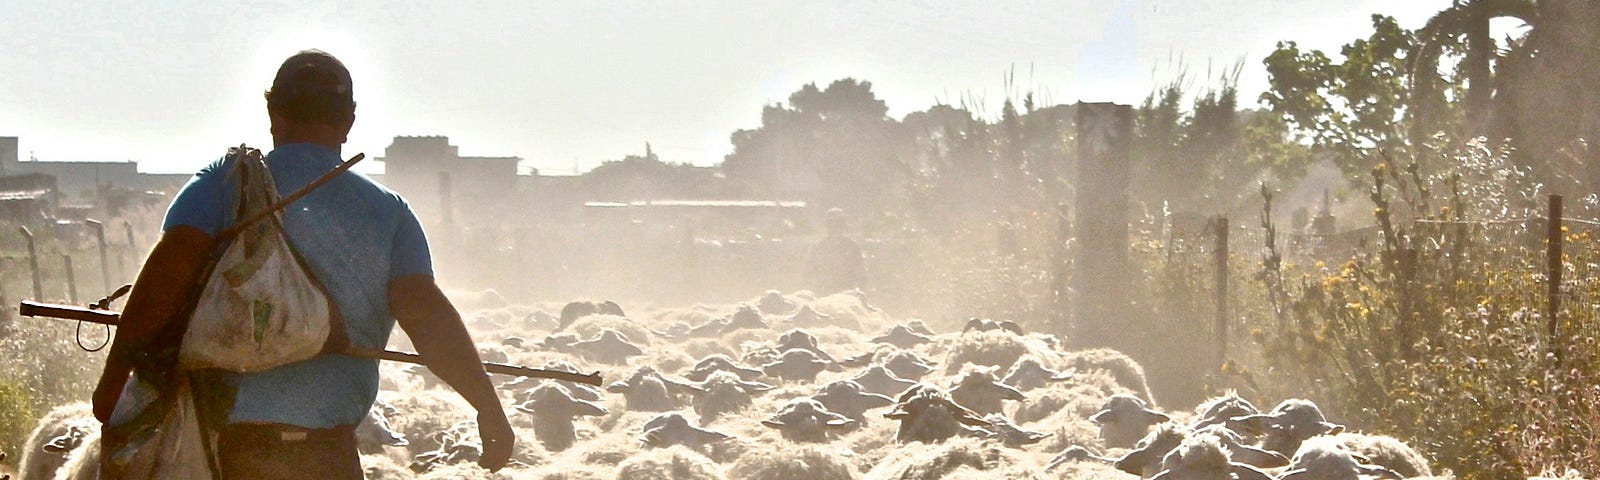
{"x": 1436, "y": 334}
{"x": 17, "y": 417}
{"x": 1348, "y": 110}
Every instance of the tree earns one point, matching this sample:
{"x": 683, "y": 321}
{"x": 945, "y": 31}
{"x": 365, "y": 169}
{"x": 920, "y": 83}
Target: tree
{"x": 1350, "y": 110}
{"x": 834, "y": 146}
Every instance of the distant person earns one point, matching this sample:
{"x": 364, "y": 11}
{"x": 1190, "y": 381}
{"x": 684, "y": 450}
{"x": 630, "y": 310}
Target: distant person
{"x": 835, "y": 263}
{"x": 365, "y": 246}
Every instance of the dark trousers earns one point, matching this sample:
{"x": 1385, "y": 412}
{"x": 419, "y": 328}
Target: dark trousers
{"x": 272, "y": 452}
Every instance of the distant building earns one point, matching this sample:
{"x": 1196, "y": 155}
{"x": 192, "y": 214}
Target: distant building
{"x": 431, "y": 173}
{"x": 83, "y": 183}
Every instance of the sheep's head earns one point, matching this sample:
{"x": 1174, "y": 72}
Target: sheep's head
{"x": 983, "y": 325}
{"x": 773, "y": 302}
{"x": 1199, "y": 456}
{"x": 724, "y": 392}
{"x": 672, "y": 429}
{"x": 802, "y": 340}
{"x": 796, "y": 364}
{"x": 1145, "y": 458}
{"x": 610, "y": 346}
{"x": 1325, "y": 458}
{"x": 1241, "y": 450}
{"x": 1028, "y": 374}
{"x": 907, "y": 365}
{"x": 806, "y": 420}
{"x": 926, "y": 414}
{"x": 1124, "y": 419}
{"x": 717, "y": 362}
{"x": 647, "y": 390}
{"x": 746, "y": 317}
{"x": 1287, "y": 425}
{"x": 373, "y": 433}
{"x": 1221, "y": 409}
{"x": 902, "y": 337}
{"x": 555, "y": 408}
{"x": 979, "y": 391}
{"x": 878, "y": 379}
{"x": 848, "y": 398}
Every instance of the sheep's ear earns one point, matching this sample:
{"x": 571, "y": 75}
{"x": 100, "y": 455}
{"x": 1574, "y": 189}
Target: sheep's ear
{"x": 755, "y": 387}
{"x": 1296, "y": 474}
{"x": 1102, "y": 416}
{"x": 59, "y": 444}
{"x": 772, "y": 423}
{"x": 968, "y": 417}
{"x": 1010, "y": 393}
{"x": 898, "y": 413}
{"x": 875, "y": 400}
{"x": 840, "y": 422}
{"x": 580, "y": 407}
{"x": 1156, "y": 417}
{"x": 1333, "y": 429}
{"x": 618, "y": 387}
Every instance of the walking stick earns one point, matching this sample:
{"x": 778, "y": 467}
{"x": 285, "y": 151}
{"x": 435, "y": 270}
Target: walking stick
{"x": 109, "y": 317}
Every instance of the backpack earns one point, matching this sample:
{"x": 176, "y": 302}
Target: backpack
{"x": 260, "y": 306}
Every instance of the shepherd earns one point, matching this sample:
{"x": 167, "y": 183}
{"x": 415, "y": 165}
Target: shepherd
{"x": 364, "y": 245}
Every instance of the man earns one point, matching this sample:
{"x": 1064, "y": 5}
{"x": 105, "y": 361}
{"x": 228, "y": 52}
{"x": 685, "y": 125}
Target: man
{"x": 364, "y": 245}
{"x": 835, "y": 264}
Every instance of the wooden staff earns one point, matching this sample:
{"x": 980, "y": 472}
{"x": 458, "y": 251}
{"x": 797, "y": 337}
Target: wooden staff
{"x": 109, "y": 317}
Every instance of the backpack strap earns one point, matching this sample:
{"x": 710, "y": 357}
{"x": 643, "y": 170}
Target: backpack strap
{"x": 228, "y": 233}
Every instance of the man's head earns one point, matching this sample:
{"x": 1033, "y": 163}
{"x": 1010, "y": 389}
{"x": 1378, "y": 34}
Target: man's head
{"x": 311, "y": 100}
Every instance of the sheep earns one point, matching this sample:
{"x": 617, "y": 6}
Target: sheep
{"x": 1010, "y": 434}
{"x": 1124, "y": 419}
{"x": 927, "y": 414}
{"x": 1028, "y": 374}
{"x": 848, "y": 398}
{"x": 1325, "y": 458}
{"x": 576, "y": 310}
{"x": 773, "y": 302}
{"x": 1291, "y": 422}
{"x": 1222, "y": 409}
{"x": 1203, "y": 456}
{"x": 907, "y": 365}
{"x": 714, "y": 327}
{"x": 1145, "y": 458}
{"x": 648, "y": 391}
{"x": 745, "y": 318}
{"x": 57, "y": 434}
{"x": 902, "y": 337}
{"x": 807, "y": 316}
{"x": 373, "y": 433}
{"x": 558, "y": 343}
{"x": 676, "y": 463}
{"x": 802, "y": 340}
{"x": 879, "y": 380}
{"x": 1127, "y": 371}
{"x": 796, "y": 364}
{"x": 449, "y": 453}
{"x": 610, "y": 347}
{"x": 980, "y": 392}
{"x": 806, "y": 420}
{"x": 541, "y": 320}
{"x": 956, "y": 459}
{"x": 719, "y": 362}
{"x": 671, "y": 428}
{"x": 1387, "y": 452}
{"x": 976, "y": 324}
{"x": 383, "y": 467}
{"x": 1242, "y": 451}
{"x": 553, "y": 409}
{"x": 724, "y": 392}
{"x": 82, "y": 463}
{"x": 792, "y": 462}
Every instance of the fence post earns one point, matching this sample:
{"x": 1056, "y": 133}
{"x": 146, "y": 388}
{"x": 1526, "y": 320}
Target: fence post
{"x": 33, "y": 263}
{"x": 72, "y": 282}
{"x": 105, "y": 263}
{"x": 1221, "y": 265}
{"x": 133, "y": 250}
{"x": 1553, "y": 243}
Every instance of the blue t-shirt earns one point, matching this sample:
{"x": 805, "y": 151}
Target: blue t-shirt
{"x": 356, "y": 236}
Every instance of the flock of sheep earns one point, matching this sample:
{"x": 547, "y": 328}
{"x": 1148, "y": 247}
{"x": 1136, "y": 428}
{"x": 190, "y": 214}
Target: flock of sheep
{"x": 795, "y": 387}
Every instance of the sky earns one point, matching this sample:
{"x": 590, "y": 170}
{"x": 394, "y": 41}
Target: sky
{"x": 567, "y": 85}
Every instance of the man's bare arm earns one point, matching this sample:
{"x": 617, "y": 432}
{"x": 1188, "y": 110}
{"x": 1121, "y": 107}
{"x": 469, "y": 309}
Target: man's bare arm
{"x": 160, "y": 294}
{"x": 435, "y": 328}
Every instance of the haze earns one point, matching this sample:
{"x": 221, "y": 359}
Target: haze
{"x": 568, "y": 85}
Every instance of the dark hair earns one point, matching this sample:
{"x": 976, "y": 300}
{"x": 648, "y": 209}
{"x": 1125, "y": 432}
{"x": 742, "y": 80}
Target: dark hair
{"x": 312, "y": 87}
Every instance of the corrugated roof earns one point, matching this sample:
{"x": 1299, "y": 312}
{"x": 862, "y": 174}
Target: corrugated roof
{"x": 23, "y": 194}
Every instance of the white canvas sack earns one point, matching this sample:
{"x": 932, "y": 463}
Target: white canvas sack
{"x": 260, "y": 308}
